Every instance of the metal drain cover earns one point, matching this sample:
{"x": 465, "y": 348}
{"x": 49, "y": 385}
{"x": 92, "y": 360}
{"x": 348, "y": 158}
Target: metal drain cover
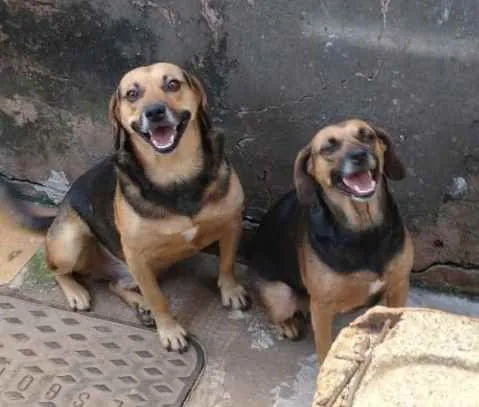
{"x": 55, "y": 358}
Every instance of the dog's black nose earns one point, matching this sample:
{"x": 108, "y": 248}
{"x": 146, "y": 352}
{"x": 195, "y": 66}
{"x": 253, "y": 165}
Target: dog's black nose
{"x": 358, "y": 157}
{"x": 156, "y": 112}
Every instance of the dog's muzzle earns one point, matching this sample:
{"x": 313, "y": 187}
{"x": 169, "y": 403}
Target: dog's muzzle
{"x": 358, "y": 174}
{"x": 161, "y": 126}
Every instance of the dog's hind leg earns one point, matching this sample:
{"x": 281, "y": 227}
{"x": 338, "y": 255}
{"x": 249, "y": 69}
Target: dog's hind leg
{"x": 283, "y": 308}
{"x": 233, "y": 294}
{"x": 77, "y": 296}
{"x": 67, "y": 245}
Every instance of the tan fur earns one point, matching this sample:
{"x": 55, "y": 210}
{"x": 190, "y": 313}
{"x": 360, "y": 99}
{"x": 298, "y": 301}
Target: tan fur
{"x": 151, "y": 245}
{"x": 331, "y": 292}
{"x": 353, "y": 214}
{"x": 182, "y": 163}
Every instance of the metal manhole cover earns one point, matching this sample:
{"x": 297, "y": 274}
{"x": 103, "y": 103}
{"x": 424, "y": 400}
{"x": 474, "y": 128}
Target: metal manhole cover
{"x": 55, "y": 358}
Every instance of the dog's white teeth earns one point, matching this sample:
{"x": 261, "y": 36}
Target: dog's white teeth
{"x": 360, "y": 183}
{"x": 163, "y": 143}
{"x": 365, "y": 190}
{"x": 162, "y": 137}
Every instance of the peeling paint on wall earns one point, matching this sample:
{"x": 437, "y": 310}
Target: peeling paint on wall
{"x": 213, "y": 18}
{"x": 35, "y": 135}
{"x": 55, "y": 187}
{"x": 21, "y": 109}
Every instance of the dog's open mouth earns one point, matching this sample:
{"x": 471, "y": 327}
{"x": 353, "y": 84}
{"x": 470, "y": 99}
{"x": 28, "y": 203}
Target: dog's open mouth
{"x": 360, "y": 184}
{"x": 165, "y": 136}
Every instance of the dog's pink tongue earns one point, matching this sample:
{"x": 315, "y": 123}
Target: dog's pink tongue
{"x": 360, "y": 182}
{"x": 163, "y": 137}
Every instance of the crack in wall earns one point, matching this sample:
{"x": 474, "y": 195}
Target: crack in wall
{"x": 55, "y": 195}
{"x": 214, "y": 19}
{"x": 265, "y": 109}
{"x": 450, "y": 278}
{"x": 17, "y": 180}
{"x": 384, "y": 12}
{"x": 464, "y": 267}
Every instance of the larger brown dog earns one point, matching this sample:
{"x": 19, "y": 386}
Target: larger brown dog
{"x": 339, "y": 237}
{"x": 166, "y": 193}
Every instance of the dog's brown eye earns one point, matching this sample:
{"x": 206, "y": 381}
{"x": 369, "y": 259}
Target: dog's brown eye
{"x": 173, "y": 85}
{"x": 132, "y": 95}
{"x": 369, "y": 138}
{"x": 365, "y": 136}
{"x": 330, "y": 146}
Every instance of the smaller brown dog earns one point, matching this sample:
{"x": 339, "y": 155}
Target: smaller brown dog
{"x": 339, "y": 236}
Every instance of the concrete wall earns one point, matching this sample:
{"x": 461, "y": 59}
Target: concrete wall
{"x": 275, "y": 71}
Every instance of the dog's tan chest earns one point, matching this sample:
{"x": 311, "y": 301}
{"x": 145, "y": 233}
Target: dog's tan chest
{"x": 175, "y": 236}
{"x": 344, "y": 291}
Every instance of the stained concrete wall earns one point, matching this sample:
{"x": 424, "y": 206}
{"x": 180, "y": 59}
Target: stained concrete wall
{"x": 275, "y": 71}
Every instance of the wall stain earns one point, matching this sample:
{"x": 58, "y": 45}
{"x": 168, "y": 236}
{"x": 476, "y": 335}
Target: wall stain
{"x": 77, "y": 50}
{"x": 214, "y": 65}
{"x": 34, "y": 137}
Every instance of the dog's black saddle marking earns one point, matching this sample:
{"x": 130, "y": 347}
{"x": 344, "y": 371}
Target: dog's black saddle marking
{"x": 273, "y": 250}
{"x": 348, "y": 251}
{"x": 92, "y": 196}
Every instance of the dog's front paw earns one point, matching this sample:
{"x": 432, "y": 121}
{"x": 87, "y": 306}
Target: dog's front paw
{"x": 235, "y": 297}
{"x": 172, "y": 336}
{"x": 144, "y": 315}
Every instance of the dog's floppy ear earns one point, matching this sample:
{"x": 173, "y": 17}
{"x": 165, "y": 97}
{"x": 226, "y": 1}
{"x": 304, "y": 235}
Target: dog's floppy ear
{"x": 113, "y": 117}
{"x": 203, "y": 115}
{"x": 303, "y": 180}
{"x": 194, "y": 83}
{"x": 393, "y": 167}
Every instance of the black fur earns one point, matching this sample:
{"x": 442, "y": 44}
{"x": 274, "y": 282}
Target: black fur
{"x": 184, "y": 198}
{"x": 273, "y": 253}
{"x": 347, "y": 251}
{"x": 92, "y": 196}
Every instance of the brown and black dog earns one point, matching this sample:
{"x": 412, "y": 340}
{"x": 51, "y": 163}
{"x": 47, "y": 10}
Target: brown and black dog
{"x": 166, "y": 193}
{"x": 338, "y": 237}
